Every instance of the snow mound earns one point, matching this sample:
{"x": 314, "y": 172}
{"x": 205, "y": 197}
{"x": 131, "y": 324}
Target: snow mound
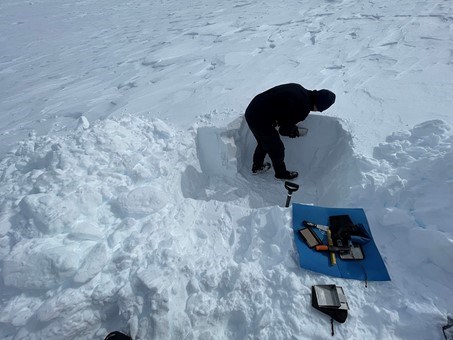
{"x": 140, "y": 202}
{"x": 70, "y": 217}
{"x": 129, "y": 224}
{"x": 409, "y": 193}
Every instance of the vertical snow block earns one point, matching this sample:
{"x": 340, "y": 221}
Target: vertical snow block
{"x": 370, "y": 268}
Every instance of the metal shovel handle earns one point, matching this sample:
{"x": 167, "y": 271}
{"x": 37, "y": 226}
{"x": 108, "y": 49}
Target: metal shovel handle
{"x": 291, "y": 187}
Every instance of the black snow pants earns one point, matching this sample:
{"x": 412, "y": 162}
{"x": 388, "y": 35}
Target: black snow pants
{"x": 268, "y": 143}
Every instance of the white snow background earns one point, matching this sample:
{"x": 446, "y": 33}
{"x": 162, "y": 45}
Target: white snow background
{"x": 126, "y": 199}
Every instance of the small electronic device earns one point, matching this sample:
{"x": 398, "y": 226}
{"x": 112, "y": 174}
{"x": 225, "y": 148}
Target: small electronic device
{"x": 310, "y": 237}
{"x": 354, "y": 253}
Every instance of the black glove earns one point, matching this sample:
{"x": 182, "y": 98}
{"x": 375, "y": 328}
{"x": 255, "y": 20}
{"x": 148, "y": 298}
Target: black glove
{"x": 291, "y": 131}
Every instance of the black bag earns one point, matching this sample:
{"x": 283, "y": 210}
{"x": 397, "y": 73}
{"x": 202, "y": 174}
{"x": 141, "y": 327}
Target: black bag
{"x": 344, "y": 230}
{"x": 330, "y": 299}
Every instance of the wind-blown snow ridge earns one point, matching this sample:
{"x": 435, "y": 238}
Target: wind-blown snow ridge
{"x": 120, "y": 217}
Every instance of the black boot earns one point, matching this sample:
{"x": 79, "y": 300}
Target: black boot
{"x": 259, "y": 169}
{"x": 287, "y": 175}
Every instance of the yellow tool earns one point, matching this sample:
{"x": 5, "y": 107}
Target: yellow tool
{"x": 333, "y": 260}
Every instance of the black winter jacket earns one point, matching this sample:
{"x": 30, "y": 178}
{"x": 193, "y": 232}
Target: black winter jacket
{"x": 284, "y": 105}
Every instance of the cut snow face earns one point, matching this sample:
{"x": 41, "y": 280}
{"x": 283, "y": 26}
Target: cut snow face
{"x": 324, "y": 158}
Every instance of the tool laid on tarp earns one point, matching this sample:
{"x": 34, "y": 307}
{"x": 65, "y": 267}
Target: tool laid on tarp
{"x": 344, "y": 230}
{"x": 331, "y": 300}
{"x": 346, "y": 248}
{"x": 331, "y": 248}
{"x": 310, "y": 237}
{"x": 350, "y": 251}
{"x": 333, "y": 259}
{"x": 314, "y": 225}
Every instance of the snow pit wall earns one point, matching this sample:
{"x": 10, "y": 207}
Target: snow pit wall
{"x": 324, "y": 158}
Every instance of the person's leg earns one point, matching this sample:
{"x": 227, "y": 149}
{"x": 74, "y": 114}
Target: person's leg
{"x": 252, "y": 119}
{"x": 269, "y": 142}
{"x": 258, "y": 156}
{"x": 276, "y": 151}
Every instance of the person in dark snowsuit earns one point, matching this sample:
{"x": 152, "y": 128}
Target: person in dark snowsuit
{"x": 282, "y": 106}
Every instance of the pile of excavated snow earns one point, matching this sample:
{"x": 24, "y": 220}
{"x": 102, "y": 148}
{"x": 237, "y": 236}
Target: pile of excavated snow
{"x": 130, "y": 224}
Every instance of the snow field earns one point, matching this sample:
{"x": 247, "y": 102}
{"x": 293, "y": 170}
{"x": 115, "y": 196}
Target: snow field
{"x": 146, "y": 218}
{"x": 387, "y": 62}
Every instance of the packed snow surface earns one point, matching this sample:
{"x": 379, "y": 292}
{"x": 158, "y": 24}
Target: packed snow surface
{"x": 126, "y": 198}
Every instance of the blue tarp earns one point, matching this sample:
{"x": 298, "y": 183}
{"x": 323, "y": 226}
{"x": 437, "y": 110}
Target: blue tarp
{"x": 371, "y": 268}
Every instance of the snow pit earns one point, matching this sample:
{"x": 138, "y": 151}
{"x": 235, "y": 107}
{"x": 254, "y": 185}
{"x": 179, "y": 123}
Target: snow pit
{"x": 324, "y": 158}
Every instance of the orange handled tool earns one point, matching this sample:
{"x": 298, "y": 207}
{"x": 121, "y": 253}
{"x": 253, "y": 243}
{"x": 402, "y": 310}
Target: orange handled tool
{"x": 323, "y": 247}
